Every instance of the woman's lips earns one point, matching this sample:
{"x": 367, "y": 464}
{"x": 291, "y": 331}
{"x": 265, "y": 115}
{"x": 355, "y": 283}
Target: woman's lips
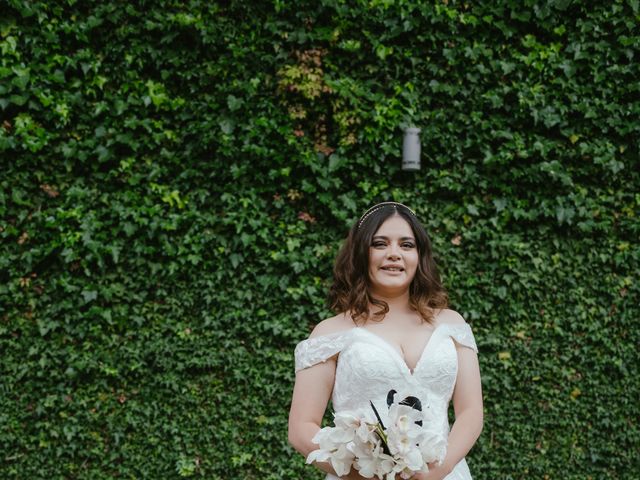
{"x": 392, "y": 270}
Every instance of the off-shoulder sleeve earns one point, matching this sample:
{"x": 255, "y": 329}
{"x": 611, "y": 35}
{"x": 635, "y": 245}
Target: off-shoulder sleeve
{"x": 463, "y": 335}
{"x": 319, "y": 349}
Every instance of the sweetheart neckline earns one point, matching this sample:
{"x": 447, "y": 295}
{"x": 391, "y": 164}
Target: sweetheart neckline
{"x": 396, "y": 353}
{"x": 320, "y": 347}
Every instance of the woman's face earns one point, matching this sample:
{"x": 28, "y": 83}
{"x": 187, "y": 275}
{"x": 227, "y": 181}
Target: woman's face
{"x": 393, "y": 257}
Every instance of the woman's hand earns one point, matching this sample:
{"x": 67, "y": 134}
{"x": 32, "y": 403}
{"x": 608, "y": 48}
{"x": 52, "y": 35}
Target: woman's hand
{"x": 436, "y": 472}
{"x": 354, "y": 475}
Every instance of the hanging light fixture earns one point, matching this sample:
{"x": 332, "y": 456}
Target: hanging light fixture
{"x": 411, "y": 149}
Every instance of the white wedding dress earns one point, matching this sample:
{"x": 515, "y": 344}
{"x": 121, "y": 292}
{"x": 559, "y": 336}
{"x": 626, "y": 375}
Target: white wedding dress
{"x": 368, "y": 367}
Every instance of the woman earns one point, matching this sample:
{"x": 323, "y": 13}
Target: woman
{"x": 393, "y": 332}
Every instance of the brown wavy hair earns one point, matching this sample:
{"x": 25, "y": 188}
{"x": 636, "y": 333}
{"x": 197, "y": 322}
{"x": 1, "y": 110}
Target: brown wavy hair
{"x": 350, "y": 290}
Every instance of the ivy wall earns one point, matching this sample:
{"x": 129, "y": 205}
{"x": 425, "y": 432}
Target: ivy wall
{"x": 176, "y": 179}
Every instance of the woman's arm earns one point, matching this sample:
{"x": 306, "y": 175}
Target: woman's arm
{"x": 311, "y": 394}
{"x": 467, "y": 404}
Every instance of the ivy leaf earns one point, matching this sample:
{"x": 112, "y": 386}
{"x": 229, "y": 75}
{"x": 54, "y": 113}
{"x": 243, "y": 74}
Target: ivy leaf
{"x": 234, "y": 103}
{"x": 89, "y": 295}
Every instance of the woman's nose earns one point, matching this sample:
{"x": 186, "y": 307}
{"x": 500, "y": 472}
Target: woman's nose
{"x": 394, "y": 251}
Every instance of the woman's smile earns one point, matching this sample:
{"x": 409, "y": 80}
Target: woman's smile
{"x": 392, "y": 269}
{"x": 393, "y": 257}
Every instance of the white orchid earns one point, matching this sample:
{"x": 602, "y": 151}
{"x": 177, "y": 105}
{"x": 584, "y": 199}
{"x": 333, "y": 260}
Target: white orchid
{"x": 340, "y": 457}
{"x": 334, "y": 443}
{"x": 405, "y": 419}
{"x": 366, "y": 432}
{"x": 433, "y": 446}
{"x": 371, "y": 460}
{"x": 400, "y": 440}
{"x": 347, "y": 420}
{"x": 404, "y": 446}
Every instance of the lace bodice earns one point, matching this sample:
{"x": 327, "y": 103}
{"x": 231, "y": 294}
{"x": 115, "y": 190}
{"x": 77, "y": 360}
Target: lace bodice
{"x": 368, "y": 367}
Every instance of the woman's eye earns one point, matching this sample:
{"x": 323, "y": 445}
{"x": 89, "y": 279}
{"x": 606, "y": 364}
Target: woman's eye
{"x": 408, "y": 245}
{"x": 379, "y": 244}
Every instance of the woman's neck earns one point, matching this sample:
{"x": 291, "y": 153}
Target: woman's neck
{"x": 398, "y": 304}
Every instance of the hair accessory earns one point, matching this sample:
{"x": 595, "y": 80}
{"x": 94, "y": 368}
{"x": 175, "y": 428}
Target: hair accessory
{"x": 377, "y": 207}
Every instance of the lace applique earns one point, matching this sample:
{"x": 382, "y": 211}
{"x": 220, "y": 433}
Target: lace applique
{"x": 319, "y": 349}
{"x": 462, "y": 334}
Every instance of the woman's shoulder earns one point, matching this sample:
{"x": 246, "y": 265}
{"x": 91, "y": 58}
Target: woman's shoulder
{"x": 326, "y": 341}
{"x": 455, "y": 325}
{"x": 338, "y": 323}
{"x": 448, "y": 316}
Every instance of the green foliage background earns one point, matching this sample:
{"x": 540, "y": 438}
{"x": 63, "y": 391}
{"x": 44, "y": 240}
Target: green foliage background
{"x": 176, "y": 178}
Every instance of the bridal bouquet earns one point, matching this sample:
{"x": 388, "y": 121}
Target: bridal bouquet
{"x": 404, "y": 442}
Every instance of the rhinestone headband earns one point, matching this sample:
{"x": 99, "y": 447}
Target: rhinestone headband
{"x": 377, "y": 207}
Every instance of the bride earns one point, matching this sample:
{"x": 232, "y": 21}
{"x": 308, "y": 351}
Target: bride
{"x": 393, "y": 331}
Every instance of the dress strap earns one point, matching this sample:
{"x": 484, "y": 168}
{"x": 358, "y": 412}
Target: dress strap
{"x": 462, "y": 334}
{"x": 314, "y": 350}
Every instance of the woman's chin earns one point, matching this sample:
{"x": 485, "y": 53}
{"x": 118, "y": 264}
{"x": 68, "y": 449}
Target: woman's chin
{"x": 388, "y": 288}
